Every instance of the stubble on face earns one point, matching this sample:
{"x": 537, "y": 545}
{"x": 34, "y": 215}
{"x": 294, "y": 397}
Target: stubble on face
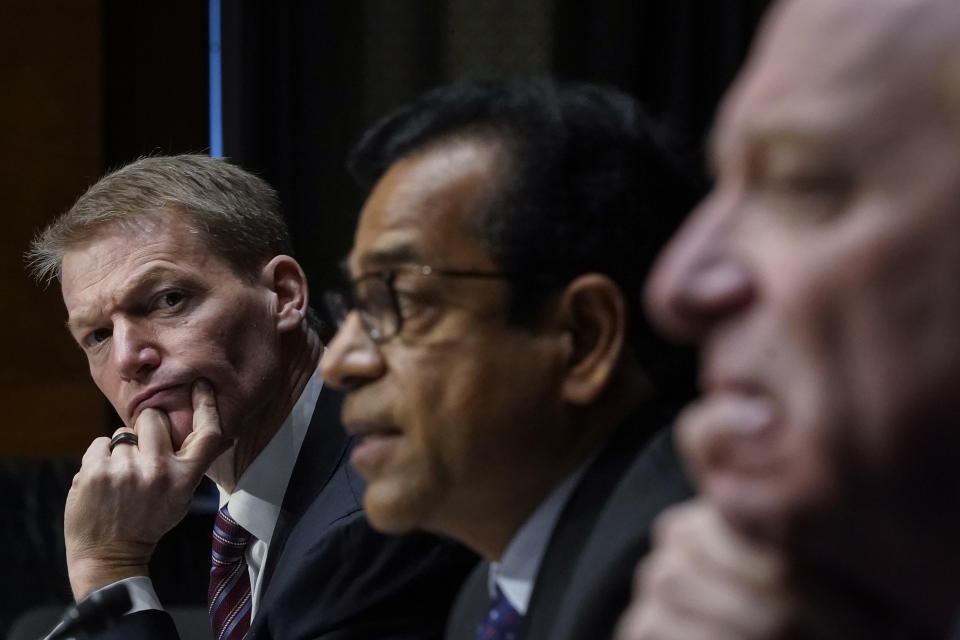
{"x": 168, "y": 312}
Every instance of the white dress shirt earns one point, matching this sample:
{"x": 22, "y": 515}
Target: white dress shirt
{"x": 256, "y": 500}
{"x": 517, "y": 569}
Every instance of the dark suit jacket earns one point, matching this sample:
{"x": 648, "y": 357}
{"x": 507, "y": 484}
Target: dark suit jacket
{"x": 585, "y": 578}
{"x": 329, "y": 575}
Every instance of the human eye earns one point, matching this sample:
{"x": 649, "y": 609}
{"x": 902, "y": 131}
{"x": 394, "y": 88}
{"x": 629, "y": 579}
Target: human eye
{"x": 414, "y": 293}
{"x": 812, "y": 184}
{"x": 806, "y": 182}
{"x": 411, "y": 302}
{"x": 808, "y": 193}
{"x": 96, "y": 337}
{"x": 169, "y": 299}
{"x": 819, "y": 194}
{"x": 418, "y": 305}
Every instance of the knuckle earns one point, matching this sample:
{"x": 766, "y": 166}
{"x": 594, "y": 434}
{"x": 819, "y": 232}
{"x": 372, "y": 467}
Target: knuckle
{"x": 155, "y": 474}
{"x": 670, "y": 524}
{"x": 122, "y": 472}
{"x": 665, "y": 575}
{"x": 643, "y": 622}
{"x": 653, "y": 573}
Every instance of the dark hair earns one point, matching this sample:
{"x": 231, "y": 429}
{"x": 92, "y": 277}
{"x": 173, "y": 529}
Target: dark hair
{"x": 590, "y": 186}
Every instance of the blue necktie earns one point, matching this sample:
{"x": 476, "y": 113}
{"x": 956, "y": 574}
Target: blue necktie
{"x": 502, "y": 621}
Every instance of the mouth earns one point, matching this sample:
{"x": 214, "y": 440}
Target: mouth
{"x": 376, "y": 443}
{"x": 734, "y": 436}
{"x": 154, "y": 397}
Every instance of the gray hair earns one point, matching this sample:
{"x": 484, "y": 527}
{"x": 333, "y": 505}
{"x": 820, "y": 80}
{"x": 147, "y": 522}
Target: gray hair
{"x": 234, "y": 212}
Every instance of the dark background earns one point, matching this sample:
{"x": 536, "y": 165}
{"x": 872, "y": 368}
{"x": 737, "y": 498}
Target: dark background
{"x": 301, "y": 80}
{"x": 93, "y": 84}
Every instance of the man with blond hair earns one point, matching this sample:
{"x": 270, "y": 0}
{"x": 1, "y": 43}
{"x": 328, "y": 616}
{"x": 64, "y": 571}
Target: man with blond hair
{"x": 181, "y": 290}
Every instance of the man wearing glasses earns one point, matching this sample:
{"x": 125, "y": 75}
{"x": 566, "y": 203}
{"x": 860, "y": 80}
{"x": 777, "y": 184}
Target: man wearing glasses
{"x": 498, "y": 370}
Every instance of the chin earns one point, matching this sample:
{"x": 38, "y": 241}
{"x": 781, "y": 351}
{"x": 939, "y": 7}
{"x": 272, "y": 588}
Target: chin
{"x": 387, "y": 510}
{"x": 751, "y": 505}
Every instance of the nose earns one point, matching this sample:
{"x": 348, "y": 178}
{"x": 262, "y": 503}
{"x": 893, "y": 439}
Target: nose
{"x": 700, "y": 278}
{"x": 352, "y": 358}
{"x": 135, "y": 351}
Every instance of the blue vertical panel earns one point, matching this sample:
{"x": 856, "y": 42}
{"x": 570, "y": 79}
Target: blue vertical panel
{"x": 216, "y": 97}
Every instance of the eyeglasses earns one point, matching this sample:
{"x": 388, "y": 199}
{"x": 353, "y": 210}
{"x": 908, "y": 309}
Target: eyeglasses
{"x": 374, "y": 297}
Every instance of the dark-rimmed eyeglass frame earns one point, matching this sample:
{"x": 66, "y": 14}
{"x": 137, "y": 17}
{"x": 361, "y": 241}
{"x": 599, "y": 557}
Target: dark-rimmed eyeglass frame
{"x": 383, "y": 325}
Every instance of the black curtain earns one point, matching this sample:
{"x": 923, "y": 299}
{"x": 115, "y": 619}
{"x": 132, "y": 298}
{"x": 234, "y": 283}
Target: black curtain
{"x": 303, "y": 78}
{"x": 676, "y": 57}
{"x": 291, "y": 96}
{"x": 155, "y": 80}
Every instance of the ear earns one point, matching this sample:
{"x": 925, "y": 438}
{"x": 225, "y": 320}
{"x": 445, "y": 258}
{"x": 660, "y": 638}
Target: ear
{"x": 595, "y": 312}
{"x": 284, "y": 278}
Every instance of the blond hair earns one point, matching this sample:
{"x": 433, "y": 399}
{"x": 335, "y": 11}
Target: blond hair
{"x": 235, "y": 213}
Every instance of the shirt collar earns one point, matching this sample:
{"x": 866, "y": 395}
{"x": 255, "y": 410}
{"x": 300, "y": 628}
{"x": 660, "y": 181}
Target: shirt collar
{"x": 517, "y": 569}
{"x": 255, "y": 502}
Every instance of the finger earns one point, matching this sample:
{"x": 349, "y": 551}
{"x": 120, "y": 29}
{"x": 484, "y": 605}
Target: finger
{"x": 701, "y": 531}
{"x": 206, "y": 441}
{"x": 153, "y": 428}
{"x": 728, "y": 430}
{"x": 98, "y": 451}
{"x": 123, "y": 449}
{"x": 735, "y": 446}
{"x": 701, "y": 592}
{"x": 657, "y": 619}
{"x": 694, "y": 587}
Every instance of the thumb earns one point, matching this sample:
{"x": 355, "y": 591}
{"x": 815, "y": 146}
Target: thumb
{"x": 206, "y": 441}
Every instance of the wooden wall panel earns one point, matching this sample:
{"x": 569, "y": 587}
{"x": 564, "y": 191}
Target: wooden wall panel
{"x": 50, "y": 68}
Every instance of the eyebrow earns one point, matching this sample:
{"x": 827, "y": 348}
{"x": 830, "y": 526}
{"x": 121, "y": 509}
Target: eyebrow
{"x": 387, "y": 256}
{"x": 137, "y": 284}
{"x": 758, "y": 139}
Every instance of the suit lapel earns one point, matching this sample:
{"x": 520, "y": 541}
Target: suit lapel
{"x": 322, "y": 452}
{"x": 575, "y": 523}
{"x": 600, "y": 584}
{"x": 471, "y": 604}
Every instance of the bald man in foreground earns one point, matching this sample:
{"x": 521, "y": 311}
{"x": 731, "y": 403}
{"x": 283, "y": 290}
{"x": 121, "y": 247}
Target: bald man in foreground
{"x": 820, "y": 279}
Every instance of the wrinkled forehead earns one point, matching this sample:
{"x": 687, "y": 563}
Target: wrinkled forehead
{"x": 847, "y": 64}
{"x": 116, "y": 239}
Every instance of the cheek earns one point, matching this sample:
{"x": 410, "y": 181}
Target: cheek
{"x": 485, "y": 412}
{"x": 801, "y": 318}
{"x": 901, "y": 345}
{"x": 908, "y": 351}
{"x": 455, "y": 401}
{"x": 871, "y": 339}
{"x": 109, "y": 385}
{"x": 237, "y": 344}
{"x": 438, "y": 407}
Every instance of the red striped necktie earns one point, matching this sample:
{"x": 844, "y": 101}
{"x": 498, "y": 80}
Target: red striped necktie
{"x": 229, "y": 591}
